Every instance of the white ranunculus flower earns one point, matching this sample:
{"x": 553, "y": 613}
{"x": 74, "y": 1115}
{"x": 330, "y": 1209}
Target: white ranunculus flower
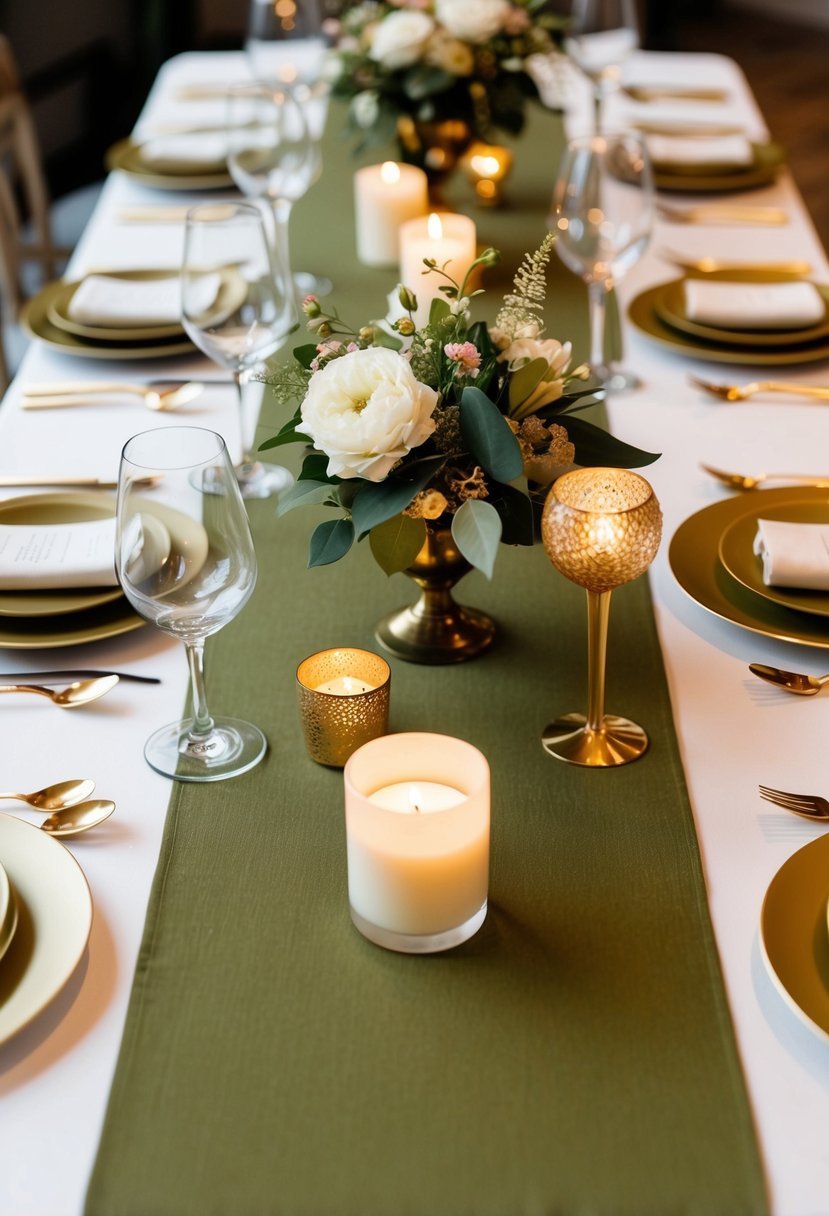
{"x": 365, "y": 410}
{"x": 400, "y": 38}
{"x": 551, "y": 385}
{"x": 473, "y": 20}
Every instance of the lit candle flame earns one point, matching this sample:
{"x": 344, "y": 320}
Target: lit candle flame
{"x": 414, "y": 798}
{"x": 389, "y": 172}
{"x": 486, "y": 166}
{"x": 434, "y": 227}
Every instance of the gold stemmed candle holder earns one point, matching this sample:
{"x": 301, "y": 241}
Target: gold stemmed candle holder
{"x": 486, "y": 167}
{"x": 601, "y": 528}
{"x": 343, "y": 702}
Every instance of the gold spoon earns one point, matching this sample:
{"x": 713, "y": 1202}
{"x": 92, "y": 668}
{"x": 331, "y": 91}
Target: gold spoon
{"x": 744, "y": 481}
{"x": 79, "y": 693}
{"x": 56, "y": 797}
{"x": 790, "y": 681}
{"x": 79, "y": 818}
{"x": 45, "y": 396}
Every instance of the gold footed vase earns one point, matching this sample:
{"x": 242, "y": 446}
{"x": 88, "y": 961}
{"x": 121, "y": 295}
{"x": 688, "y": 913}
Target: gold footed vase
{"x": 435, "y": 147}
{"x": 436, "y": 630}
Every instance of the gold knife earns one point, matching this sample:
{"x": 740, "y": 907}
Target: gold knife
{"x": 712, "y": 265}
{"x": 723, "y": 213}
{"x": 645, "y": 92}
{"x": 75, "y": 483}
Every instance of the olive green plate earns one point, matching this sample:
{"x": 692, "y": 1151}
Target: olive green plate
{"x": 794, "y": 937}
{"x": 129, "y": 158}
{"x": 63, "y": 508}
{"x": 58, "y": 313}
{"x": 737, "y": 556}
{"x": 35, "y": 320}
{"x": 642, "y": 311}
{"x": 710, "y": 179}
{"x": 694, "y": 559}
{"x": 669, "y": 306}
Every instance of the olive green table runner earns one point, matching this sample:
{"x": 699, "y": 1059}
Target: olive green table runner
{"x": 574, "y": 1058}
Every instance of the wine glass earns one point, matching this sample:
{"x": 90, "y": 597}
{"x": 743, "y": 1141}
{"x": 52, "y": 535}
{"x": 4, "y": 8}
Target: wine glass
{"x": 285, "y": 41}
{"x": 600, "y": 36}
{"x": 273, "y": 157}
{"x": 603, "y": 219}
{"x": 185, "y": 560}
{"x": 237, "y": 308}
{"x": 601, "y": 528}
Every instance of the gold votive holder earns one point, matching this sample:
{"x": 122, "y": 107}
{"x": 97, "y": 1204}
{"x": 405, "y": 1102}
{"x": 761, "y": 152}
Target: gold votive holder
{"x": 487, "y": 166}
{"x": 343, "y": 702}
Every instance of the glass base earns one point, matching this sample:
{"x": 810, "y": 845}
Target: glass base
{"x": 616, "y": 379}
{"x": 308, "y": 284}
{"x": 420, "y": 943}
{"x": 619, "y": 741}
{"x": 259, "y": 480}
{"x": 230, "y": 749}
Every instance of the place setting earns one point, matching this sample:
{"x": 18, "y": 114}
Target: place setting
{"x": 185, "y": 159}
{"x": 753, "y": 316}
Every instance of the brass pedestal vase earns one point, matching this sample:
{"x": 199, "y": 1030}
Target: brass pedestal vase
{"x": 436, "y": 630}
{"x": 435, "y": 147}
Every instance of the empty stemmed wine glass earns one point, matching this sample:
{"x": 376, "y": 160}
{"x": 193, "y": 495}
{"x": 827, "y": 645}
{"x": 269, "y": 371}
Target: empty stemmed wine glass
{"x": 272, "y": 156}
{"x": 601, "y": 34}
{"x": 603, "y": 219}
{"x": 286, "y": 42}
{"x": 237, "y": 308}
{"x": 185, "y": 560}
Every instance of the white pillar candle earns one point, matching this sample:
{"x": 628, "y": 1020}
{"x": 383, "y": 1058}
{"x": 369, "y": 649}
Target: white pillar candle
{"x": 386, "y": 196}
{"x": 417, "y": 831}
{"x": 448, "y": 239}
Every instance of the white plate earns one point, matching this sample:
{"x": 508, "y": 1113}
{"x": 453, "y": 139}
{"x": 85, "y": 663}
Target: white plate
{"x": 8, "y": 912}
{"x": 55, "y": 916}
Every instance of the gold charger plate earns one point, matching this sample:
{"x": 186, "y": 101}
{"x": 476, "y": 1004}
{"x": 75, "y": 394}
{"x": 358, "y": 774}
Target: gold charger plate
{"x": 693, "y": 556}
{"x": 34, "y": 318}
{"x": 57, "y": 312}
{"x": 128, "y": 156}
{"x": 55, "y": 917}
{"x": 56, "y": 508}
{"x": 642, "y": 311}
{"x": 794, "y": 937}
{"x": 710, "y": 179}
{"x": 736, "y": 554}
{"x": 669, "y": 305}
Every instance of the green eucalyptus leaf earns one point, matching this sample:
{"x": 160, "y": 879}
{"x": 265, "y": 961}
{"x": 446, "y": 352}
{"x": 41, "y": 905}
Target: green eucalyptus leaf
{"x": 302, "y": 494}
{"x": 438, "y": 311}
{"x": 488, "y": 436}
{"x": 396, "y": 543}
{"x": 331, "y": 541}
{"x": 476, "y": 530}
{"x": 595, "y": 446}
{"x": 314, "y": 467}
{"x": 515, "y": 510}
{"x": 525, "y": 380}
{"x": 377, "y": 501}
{"x": 289, "y": 433}
{"x": 305, "y": 354}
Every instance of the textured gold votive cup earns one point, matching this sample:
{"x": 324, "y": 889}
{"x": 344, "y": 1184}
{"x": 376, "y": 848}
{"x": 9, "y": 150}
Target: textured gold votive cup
{"x": 486, "y": 167}
{"x": 335, "y": 724}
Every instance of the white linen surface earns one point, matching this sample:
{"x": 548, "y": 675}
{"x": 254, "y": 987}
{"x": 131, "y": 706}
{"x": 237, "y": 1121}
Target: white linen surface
{"x": 753, "y": 305}
{"x": 793, "y": 555}
{"x": 107, "y": 300}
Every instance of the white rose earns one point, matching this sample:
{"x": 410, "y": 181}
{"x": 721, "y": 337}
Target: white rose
{"x": 473, "y": 20}
{"x": 399, "y": 39}
{"x": 365, "y": 410}
{"x": 450, "y": 53}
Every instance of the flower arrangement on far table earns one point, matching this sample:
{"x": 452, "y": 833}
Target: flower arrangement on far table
{"x": 450, "y": 425}
{"x": 407, "y": 64}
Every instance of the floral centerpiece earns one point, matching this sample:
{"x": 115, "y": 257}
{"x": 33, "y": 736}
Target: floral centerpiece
{"x": 407, "y": 63}
{"x": 450, "y": 426}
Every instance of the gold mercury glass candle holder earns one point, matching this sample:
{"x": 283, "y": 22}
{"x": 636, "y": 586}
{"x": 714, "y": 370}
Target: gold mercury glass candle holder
{"x": 601, "y": 528}
{"x": 343, "y": 702}
{"x": 486, "y": 167}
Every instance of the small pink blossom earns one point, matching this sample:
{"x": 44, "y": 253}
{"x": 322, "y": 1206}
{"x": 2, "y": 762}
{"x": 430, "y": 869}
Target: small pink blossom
{"x": 516, "y": 21}
{"x": 466, "y": 355}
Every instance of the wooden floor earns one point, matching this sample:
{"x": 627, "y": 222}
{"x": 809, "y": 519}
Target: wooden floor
{"x": 787, "y": 66}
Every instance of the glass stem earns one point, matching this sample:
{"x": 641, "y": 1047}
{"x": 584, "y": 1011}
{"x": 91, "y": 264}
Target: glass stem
{"x": 239, "y": 381}
{"x": 597, "y": 299}
{"x": 202, "y": 721}
{"x": 281, "y": 209}
{"x": 597, "y": 111}
{"x": 598, "y": 609}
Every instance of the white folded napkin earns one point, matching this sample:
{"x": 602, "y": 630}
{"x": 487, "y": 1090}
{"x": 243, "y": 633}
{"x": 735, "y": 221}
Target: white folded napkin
{"x": 793, "y": 555}
{"x": 719, "y": 150}
{"x": 107, "y": 300}
{"x": 205, "y": 150}
{"x": 44, "y": 556}
{"x": 753, "y": 305}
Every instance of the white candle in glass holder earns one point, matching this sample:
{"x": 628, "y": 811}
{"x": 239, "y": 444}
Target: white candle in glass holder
{"x": 385, "y": 197}
{"x": 448, "y": 239}
{"x": 417, "y": 829}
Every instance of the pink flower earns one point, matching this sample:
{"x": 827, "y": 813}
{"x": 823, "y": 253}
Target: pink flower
{"x": 466, "y": 355}
{"x": 516, "y": 21}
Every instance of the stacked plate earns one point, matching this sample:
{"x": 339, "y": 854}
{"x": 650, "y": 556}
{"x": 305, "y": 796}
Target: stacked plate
{"x": 720, "y": 177}
{"x": 154, "y": 162}
{"x": 661, "y": 314}
{"x": 45, "y": 919}
{"x": 712, "y": 559}
{"x": 69, "y": 616}
{"x": 49, "y": 317}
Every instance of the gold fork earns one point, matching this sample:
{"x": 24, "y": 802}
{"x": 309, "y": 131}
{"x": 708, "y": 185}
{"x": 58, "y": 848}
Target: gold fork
{"x": 742, "y": 481}
{"x": 736, "y": 392}
{"x": 809, "y": 806}
{"x": 709, "y": 265}
{"x": 722, "y": 213}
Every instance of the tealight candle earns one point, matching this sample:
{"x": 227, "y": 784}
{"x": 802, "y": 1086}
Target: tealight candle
{"x": 448, "y": 239}
{"x": 417, "y": 832}
{"x": 486, "y": 166}
{"x": 343, "y": 702}
{"x": 386, "y": 196}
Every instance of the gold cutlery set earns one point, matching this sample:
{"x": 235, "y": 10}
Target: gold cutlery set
{"x": 69, "y": 809}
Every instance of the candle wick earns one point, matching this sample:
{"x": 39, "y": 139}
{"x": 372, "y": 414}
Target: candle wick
{"x": 416, "y": 809}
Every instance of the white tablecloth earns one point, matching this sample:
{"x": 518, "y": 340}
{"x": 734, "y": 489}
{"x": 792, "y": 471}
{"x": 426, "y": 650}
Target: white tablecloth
{"x": 734, "y": 732}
